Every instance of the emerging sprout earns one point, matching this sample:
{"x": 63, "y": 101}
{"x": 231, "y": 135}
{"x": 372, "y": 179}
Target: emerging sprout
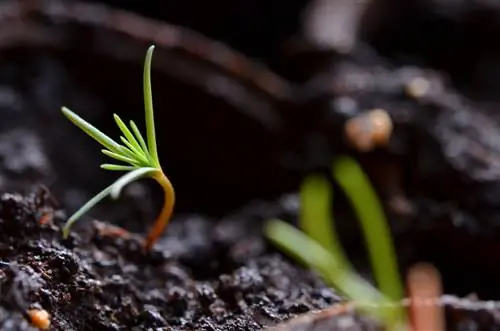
{"x": 319, "y": 248}
{"x": 139, "y": 155}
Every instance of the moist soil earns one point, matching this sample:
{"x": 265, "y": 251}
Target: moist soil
{"x": 201, "y": 277}
{"x": 236, "y": 157}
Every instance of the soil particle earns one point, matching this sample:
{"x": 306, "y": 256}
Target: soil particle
{"x": 93, "y": 282}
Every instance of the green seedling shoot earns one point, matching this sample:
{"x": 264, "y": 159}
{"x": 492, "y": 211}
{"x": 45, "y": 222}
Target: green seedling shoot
{"x": 318, "y": 246}
{"x": 139, "y": 155}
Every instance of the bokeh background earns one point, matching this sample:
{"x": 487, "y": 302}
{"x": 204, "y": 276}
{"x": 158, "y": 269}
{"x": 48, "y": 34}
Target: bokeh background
{"x": 251, "y": 95}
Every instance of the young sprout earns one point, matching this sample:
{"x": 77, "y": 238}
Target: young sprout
{"x": 319, "y": 248}
{"x": 140, "y": 158}
{"x": 425, "y": 289}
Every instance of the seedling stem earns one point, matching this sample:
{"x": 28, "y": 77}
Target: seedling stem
{"x": 140, "y": 156}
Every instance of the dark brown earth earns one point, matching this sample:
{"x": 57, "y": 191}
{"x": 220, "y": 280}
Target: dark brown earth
{"x": 236, "y": 156}
{"x": 202, "y": 277}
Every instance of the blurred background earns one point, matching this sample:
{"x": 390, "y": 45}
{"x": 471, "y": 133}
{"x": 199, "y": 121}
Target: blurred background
{"x": 251, "y": 95}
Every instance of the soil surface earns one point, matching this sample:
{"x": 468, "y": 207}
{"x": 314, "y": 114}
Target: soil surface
{"x": 235, "y": 154}
{"x": 200, "y": 277}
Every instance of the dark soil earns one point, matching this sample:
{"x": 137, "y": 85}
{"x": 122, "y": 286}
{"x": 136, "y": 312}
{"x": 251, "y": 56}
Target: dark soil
{"x": 235, "y": 139}
{"x": 201, "y": 277}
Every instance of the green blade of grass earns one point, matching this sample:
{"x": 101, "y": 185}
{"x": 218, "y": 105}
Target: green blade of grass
{"x": 116, "y": 167}
{"x": 374, "y": 225}
{"x": 301, "y": 247}
{"x": 148, "y": 104}
{"x": 92, "y": 131}
{"x": 128, "y": 178}
{"x": 86, "y": 207}
{"x": 316, "y": 218}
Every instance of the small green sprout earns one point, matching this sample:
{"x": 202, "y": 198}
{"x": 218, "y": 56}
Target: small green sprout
{"x": 140, "y": 158}
{"x": 319, "y": 247}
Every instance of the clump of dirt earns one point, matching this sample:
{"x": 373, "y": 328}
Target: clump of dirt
{"x": 200, "y": 277}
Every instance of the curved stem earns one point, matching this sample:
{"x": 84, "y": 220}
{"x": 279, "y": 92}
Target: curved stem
{"x": 166, "y": 212}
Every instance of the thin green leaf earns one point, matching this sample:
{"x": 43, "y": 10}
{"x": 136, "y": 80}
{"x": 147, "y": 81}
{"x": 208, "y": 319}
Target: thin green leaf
{"x": 140, "y": 138}
{"x": 127, "y": 152}
{"x": 128, "y": 178}
{"x": 91, "y": 203}
{"x": 91, "y": 130}
{"x": 374, "y": 225}
{"x": 148, "y": 104}
{"x": 120, "y": 157}
{"x": 137, "y": 153}
{"x": 317, "y": 222}
{"x": 301, "y": 247}
{"x": 116, "y": 167}
{"x": 315, "y": 216}
{"x": 130, "y": 137}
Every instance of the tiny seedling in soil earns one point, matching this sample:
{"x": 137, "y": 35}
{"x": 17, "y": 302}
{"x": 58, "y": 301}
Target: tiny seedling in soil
{"x": 139, "y": 155}
{"x": 425, "y": 311}
{"x": 319, "y": 248}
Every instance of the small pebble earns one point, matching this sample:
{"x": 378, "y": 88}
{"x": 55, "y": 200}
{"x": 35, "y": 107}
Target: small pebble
{"x": 369, "y": 130}
{"x": 40, "y": 318}
{"x": 418, "y": 87}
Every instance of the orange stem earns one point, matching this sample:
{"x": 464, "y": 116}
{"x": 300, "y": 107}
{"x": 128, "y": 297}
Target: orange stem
{"x": 165, "y": 214}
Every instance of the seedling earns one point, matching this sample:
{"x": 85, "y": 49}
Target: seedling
{"x": 319, "y": 248}
{"x": 139, "y": 155}
{"x": 424, "y": 307}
